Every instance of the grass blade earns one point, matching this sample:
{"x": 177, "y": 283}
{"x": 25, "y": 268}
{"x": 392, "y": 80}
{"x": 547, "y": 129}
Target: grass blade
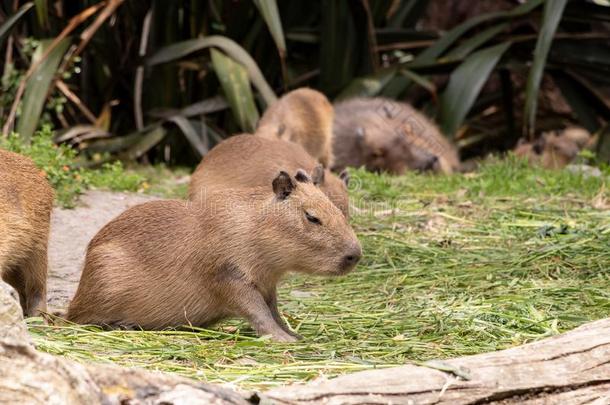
{"x": 465, "y": 84}
{"x": 230, "y": 47}
{"x": 236, "y": 86}
{"x": 38, "y": 86}
{"x": 269, "y": 11}
{"x": 553, "y": 10}
{"x": 12, "y": 20}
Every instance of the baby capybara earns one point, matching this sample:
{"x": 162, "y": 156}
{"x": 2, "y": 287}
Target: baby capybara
{"x": 303, "y": 116}
{"x": 26, "y": 201}
{"x": 166, "y": 264}
{"x": 553, "y": 150}
{"x": 386, "y": 135}
{"x": 247, "y": 161}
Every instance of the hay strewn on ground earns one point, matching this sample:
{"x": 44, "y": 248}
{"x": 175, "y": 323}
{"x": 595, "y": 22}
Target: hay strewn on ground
{"x": 453, "y": 266}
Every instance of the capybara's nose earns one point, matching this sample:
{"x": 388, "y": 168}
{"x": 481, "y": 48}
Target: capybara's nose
{"x": 351, "y": 258}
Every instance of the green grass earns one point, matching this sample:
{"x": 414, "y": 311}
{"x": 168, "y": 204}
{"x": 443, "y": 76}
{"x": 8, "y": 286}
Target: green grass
{"x": 452, "y": 266}
{"x": 59, "y": 162}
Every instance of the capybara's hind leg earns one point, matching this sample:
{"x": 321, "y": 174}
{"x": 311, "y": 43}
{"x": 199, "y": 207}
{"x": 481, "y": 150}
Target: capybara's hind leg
{"x": 34, "y": 274}
{"x": 12, "y": 275}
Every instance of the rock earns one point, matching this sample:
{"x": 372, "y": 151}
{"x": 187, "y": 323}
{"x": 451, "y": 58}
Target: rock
{"x": 12, "y": 326}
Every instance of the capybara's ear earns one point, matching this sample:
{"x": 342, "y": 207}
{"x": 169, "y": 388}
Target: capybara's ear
{"x": 344, "y": 176}
{"x": 302, "y": 176}
{"x": 317, "y": 175}
{"x": 282, "y": 185}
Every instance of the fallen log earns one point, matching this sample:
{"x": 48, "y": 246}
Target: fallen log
{"x": 572, "y": 368}
{"x": 30, "y": 377}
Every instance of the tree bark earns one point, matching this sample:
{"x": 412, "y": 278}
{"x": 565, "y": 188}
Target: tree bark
{"x": 572, "y": 368}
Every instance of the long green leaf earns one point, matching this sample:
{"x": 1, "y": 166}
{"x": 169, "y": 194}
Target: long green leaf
{"x": 146, "y": 140}
{"x": 42, "y": 12}
{"x": 236, "y": 86}
{"x": 37, "y": 87}
{"x": 420, "y": 80}
{"x": 553, "y": 10}
{"x": 465, "y": 84}
{"x": 190, "y": 133}
{"x": 269, "y": 11}
{"x": 230, "y": 47}
{"x": 465, "y": 48}
{"x": 338, "y": 55}
{"x": 427, "y": 57}
{"x": 8, "y": 24}
{"x": 408, "y": 13}
{"x": 578, "y": 101}
{"x": 454, "y": 34}
{"x": 368, "y": 86}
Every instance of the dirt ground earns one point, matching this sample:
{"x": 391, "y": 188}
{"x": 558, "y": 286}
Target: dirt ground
{"x": 71, "y": 231}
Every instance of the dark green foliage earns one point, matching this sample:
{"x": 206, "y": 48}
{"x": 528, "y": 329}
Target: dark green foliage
{"x": 137, "y": 65}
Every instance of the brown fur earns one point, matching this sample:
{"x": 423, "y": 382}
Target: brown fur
{"x": 581, "y": 137}
{"x": 551, "y": 150}
{"x": 26, "y": 201}
{"x": 405, "y": 137}
{"x": 168, "y": 263}
{"x": 247, "y": 161}
{"x": 303, "y": 116}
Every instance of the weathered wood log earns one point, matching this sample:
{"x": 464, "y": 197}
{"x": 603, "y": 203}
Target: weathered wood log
{"x": 572, "y": 368}
{"x": 30, "y": 377}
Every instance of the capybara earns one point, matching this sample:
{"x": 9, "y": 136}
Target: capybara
{"x": 166, "y": 264}
{"x": 26, "y": 201}
{"x": 551, "y": 150}
{"x": 252, "y": 161}
{"x": 303, "y": 116}
{"x": 581, "y": 137}
{"x": 394, "y": 133}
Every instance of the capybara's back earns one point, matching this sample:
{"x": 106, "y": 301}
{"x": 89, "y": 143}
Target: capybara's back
{"x": 303, "y": 116}
{"x": 429, "y": 149}
{"x": 247, "y": 160}
{"x": 26, "y": 201}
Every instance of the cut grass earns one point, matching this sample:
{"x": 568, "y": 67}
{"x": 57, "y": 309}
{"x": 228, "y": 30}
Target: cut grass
{"x": 453, "y": 266}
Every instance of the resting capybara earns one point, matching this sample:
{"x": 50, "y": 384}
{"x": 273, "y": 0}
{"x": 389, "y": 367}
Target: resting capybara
{"x": 166, "y": 264}
{"x": 303, "y": 116}
{"x": 581, "y": 137}
{"x": 390, "y": 129}
{"x": 249, "y": 161}
{"x": 551, "y": 150}
{"x": 26, "y": 201}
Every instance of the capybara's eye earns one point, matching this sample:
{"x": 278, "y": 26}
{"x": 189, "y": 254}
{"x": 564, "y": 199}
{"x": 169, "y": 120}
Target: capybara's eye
{"x": 312, "y": 219}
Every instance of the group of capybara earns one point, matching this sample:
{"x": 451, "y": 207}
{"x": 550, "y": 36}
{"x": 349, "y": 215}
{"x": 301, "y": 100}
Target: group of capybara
{"x": 259, "y": 205}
